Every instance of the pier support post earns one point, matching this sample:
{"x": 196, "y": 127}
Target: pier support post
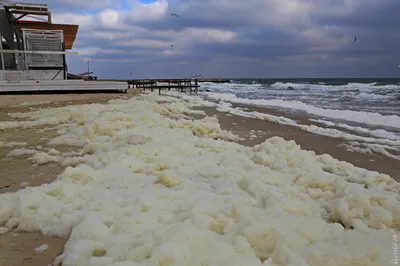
{"x": 1, "y": 54}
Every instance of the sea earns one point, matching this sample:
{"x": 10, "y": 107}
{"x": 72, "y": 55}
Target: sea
{"x": 365, "y": 107}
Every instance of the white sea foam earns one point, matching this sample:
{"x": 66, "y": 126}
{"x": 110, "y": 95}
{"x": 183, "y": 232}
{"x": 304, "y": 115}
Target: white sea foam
{"x": 4, "y": 230}
{"x": 350, "y": 87}
{"x": 388, "y": 141}
{"x": 377, "y": 145}
{"x": 347, "y": 87}
{"x": 380, "y": 133}
{"x": 11, "y": 144}
{"x": 42, "y": 248}
{"x": 348, "y": 115}
{"x": 371, "y": 96}
{"x": 355, "y": 146}
{"x": 34, "y": 103}
{"x": 21, "y": 152}
{"x": 151, "y": 190}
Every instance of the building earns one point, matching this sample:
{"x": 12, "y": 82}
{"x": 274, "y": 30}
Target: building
{"x": 33, "y": 49}
{"x": 31, "y": 46}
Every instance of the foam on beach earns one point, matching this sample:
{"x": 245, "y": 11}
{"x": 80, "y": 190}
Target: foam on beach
{"x": 32, "y": 103}
{"x": 11, "y": 144}
{"x": 386, "y": 144}
{"x": 368, "y": 118}
{"x": 147, "y": 189}
{"x": 380, "y": 133}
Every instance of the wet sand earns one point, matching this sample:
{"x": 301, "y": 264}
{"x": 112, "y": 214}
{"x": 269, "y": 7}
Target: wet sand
{"x": 319, "y": 144}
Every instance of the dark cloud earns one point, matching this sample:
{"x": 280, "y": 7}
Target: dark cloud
{"x": 258, "y": 38}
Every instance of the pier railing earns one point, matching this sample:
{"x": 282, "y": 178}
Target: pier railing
{"x": 167, "y": 84}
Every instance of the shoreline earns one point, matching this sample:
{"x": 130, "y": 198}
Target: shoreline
{"x": 19, "y": 247}
{"x": 308, "y": 141}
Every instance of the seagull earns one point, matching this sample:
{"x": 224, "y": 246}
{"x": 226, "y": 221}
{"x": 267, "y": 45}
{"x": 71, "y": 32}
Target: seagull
{"x": 173, "y": 14}
{"x": 324, "y": 53}
{"x": 172, "y": 45}
{"x": 355, "y": 39}
{"x": 196, "y": 76}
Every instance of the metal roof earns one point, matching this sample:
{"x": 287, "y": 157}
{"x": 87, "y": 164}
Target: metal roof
{"x": 31, "y": 8}
{"x": 69, "y": 30}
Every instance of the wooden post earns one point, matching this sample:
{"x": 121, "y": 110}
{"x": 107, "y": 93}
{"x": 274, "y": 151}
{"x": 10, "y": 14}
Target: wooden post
{"x": 64, "y": 62}
{"x": 1, "y": 54}
{"x": 25, "y": 48}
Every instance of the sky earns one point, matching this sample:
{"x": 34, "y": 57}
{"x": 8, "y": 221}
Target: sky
{"x": 233, "y": 38}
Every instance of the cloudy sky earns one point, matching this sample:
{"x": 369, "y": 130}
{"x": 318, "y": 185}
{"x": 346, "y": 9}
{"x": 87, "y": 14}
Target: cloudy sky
{"x": 233, "y": 38}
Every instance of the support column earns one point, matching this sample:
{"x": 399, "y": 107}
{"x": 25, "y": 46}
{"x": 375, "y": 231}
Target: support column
{"x": 64, "y": 61}
{"x": 1, "y": 54}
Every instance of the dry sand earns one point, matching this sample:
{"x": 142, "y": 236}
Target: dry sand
{"x": 17, "y": 248}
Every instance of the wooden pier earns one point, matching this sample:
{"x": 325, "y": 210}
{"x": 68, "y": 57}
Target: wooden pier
{"x": 181, "y": 85}
{"x": 199, "y": 80}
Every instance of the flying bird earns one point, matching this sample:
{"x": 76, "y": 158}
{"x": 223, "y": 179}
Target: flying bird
{"x": 172, "y": 45}
{"x": 195, "y": 76}
{"x": 173, "y": 14}
{"x": 324, "y": 53}
{"x": 130, "y": 74}
{"x": 355, "y": 39}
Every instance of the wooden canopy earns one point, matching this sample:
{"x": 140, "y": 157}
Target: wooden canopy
{"x": 69, "y": 30}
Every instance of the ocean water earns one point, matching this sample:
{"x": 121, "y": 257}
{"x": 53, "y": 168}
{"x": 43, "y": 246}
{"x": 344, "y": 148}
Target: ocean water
{"x": 347, "y": 100}
{"x": 335, "y": 107}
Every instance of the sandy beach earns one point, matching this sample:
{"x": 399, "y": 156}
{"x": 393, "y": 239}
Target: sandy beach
{"x": 18, "y": 248}
{"x": 245, "y": 127}
{"x": 22, "y": 170}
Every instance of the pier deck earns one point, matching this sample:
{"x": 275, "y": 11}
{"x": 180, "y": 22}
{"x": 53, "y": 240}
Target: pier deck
{"x": 199, "y": 80}
{"x": 168, "y": 84}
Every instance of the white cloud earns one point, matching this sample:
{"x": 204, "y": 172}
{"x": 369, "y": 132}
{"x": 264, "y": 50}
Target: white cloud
{"x": 91, "y": 51}
{"x": 72, "y": 18}
{"x": 209, "y": 35}
{"x": 144, "y": 43}
{"x": 110, "y": 18}
{"x": 96, "y": 4}
{"x": 171, "y": 52}
{"x": 148, "y": 12}
{"x": 326, "y": 38}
